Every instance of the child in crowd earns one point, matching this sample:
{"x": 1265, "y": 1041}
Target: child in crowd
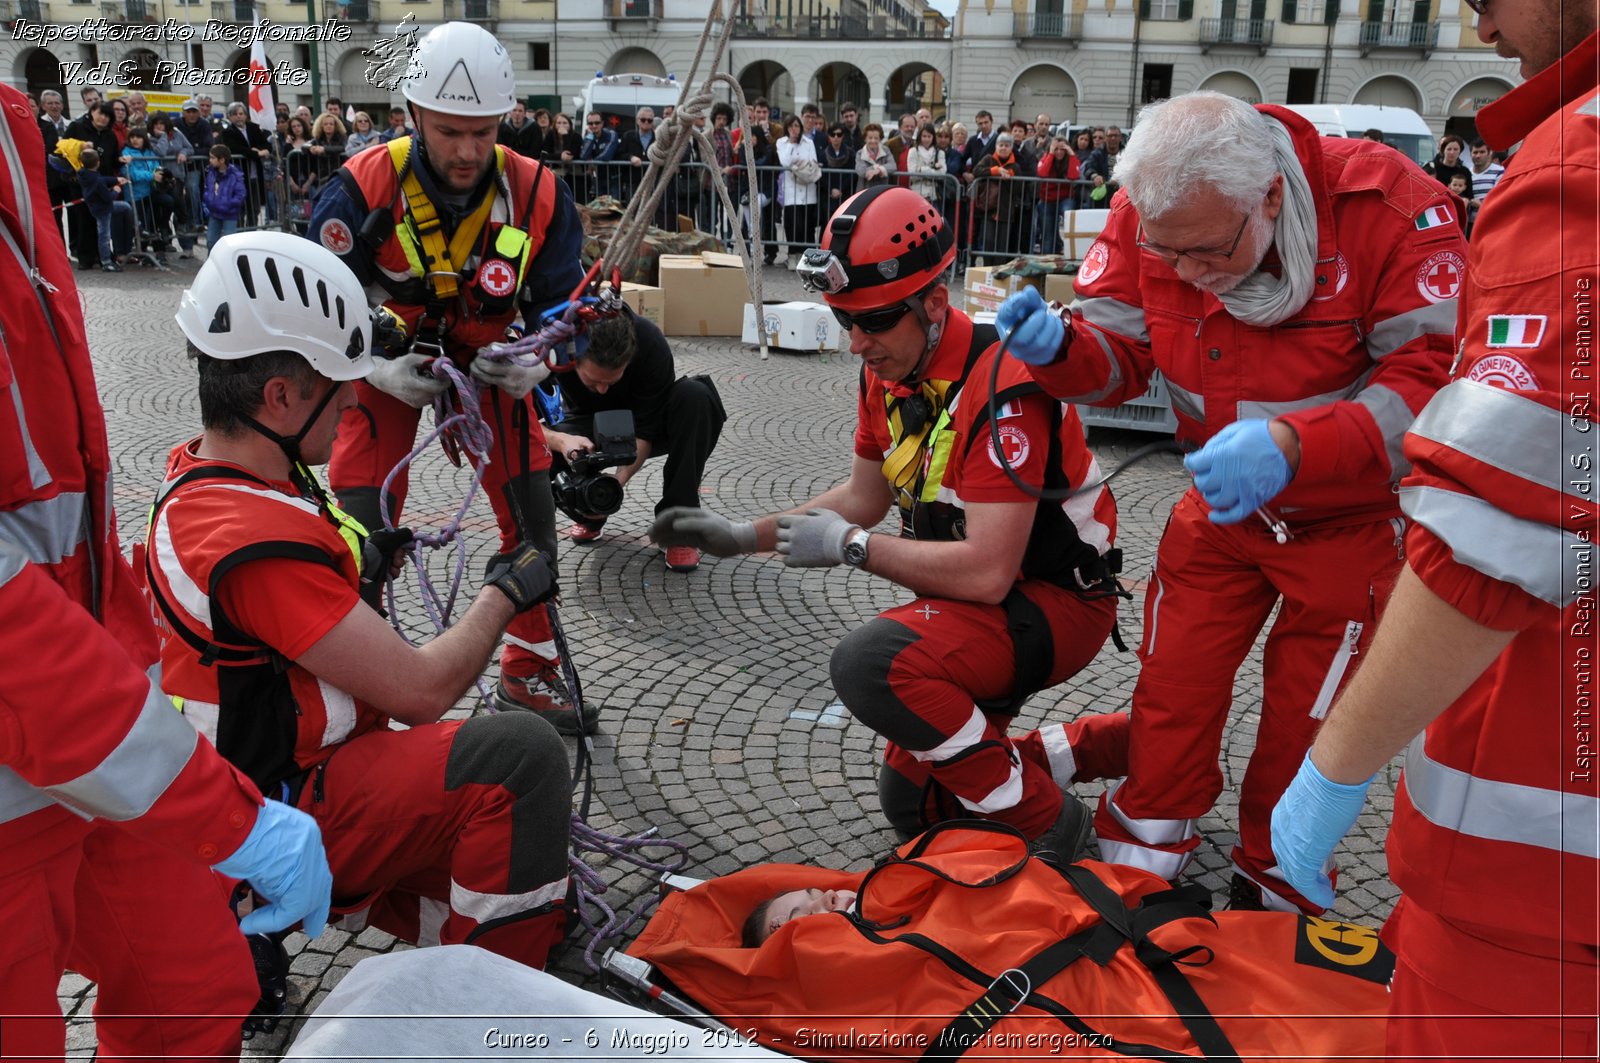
{"x": 1461, "y": 188}
{"x": 224, "y": 195}
{"x": 103, "y": 196}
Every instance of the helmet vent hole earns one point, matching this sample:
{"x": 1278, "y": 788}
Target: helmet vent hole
{"x": 246, "y": 276}
{"x": 356, "y": 346}
{"x": 221, "y": 321}
{"x": 338, "y": 307}
{"x": 272, "y": 276}
{"x": 300, "y": 286}
{"x": 895, "y": 239}
{"x": 322, "y": 296}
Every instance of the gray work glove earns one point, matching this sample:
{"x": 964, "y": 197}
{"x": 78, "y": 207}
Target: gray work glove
{"x": 814, "y": 539}
{"x": 515, "y": 380}
{"x": 408, "y": 378}
{"x": 523, "y": 575}
{"x": 703, "y": 530}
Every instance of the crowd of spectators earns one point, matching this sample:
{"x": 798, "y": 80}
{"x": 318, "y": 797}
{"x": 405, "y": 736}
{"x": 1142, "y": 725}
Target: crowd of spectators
{"x": 1006, "y": 186}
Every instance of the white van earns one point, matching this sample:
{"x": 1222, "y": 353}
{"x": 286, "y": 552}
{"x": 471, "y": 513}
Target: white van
{"x": 618, "y": 97}
{"x": 1402, "y": 129}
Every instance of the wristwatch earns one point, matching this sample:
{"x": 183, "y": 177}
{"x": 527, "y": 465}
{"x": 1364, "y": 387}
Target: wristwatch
{"x": 855, "y": 549}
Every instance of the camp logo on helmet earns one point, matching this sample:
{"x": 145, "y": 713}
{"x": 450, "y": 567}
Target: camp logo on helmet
{"x": 458, "y": 86}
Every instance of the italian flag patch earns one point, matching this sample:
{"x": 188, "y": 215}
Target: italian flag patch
{"x": 1516, "y": 330}
{"x": 1434, "y": 217}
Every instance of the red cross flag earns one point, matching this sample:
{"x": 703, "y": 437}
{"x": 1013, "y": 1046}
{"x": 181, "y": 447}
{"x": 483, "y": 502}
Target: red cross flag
{"x": 262, "y": 110}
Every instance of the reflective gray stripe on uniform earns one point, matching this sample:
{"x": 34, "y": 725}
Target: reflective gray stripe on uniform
{"x": 1259, "y": 408}
{"x": 38, "y": 475}
{"x": 133, "y": 777}
{"x": 1393, "y": 417}
{"x": 1390, "y": 334}
{"x": 1541, "y": 559}
{"x": 1509, "y": 431}
{"x": 1500, "y": 811}
{"x": 1186, "y": 402}
{"x": 12, "y": 562}
{"x": 1591, "y": 108}
{"x": 47, "y": 531}
{"x": 1113, "y": 368}
{"x": 18, "y": 797}
{"x": 1122, "y": 318}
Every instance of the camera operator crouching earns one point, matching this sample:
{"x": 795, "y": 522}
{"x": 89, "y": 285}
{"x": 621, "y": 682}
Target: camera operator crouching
{"x": 628, "y": 367}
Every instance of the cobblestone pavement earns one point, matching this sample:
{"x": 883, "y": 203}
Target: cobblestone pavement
{"x": 718, "y": 723}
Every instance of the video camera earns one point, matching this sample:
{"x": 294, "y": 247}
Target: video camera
{"x": 582, "y": 490}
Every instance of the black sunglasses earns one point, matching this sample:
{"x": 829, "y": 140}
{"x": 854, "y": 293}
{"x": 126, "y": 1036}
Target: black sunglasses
{"x": 1480, "y": 6}
{"x": 872, "y": 322}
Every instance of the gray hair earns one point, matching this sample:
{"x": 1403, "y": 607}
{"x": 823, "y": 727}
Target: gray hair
{"x": 1004, "y": 138}
{"x": 49, "y": 94}
{"x": 235, "y": 108}
{"x": 1202, "y": 138}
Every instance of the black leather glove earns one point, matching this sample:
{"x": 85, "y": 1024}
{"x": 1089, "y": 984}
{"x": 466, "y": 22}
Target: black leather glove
{"x": 377, "y": 553}
{"x": 524, "y": 575}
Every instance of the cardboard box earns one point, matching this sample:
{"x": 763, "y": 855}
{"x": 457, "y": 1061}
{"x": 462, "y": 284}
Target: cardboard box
{"x": 1079, "y": 230}
{"x": 797, "y": 326}
{"x": 704, "y": 294}
{"x": 1058, "y": 289}
{"x": 644, "y": 300}
{"x": 985, "y": 292}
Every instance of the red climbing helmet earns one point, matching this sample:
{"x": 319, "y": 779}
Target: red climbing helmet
{"x": 884, "y": 245}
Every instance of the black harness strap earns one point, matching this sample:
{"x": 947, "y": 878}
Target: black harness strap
{"x": 228, "y": 645}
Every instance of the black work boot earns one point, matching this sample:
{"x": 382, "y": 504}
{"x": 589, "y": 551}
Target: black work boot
{"x": 1063, "y": 842}
{"x": 272, "y": 975}
{"x": 1244, "y": 895}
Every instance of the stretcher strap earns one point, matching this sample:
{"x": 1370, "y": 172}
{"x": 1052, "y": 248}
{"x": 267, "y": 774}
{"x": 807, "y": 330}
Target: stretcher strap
{"x": 1119, "y": 925}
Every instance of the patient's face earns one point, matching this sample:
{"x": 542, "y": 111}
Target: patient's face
{"x": 795, "y": 903}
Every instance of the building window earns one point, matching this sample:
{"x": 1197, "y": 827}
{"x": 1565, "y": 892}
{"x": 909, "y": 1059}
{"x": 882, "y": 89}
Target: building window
{"x": 1166, "y": 10}
{"x": 197, "y": 57}
{"x": 539, "y": 55}
{"x": 1157, "y": 82}
{"x": 1302, "y": 85}
{"x": 302, "y": 56}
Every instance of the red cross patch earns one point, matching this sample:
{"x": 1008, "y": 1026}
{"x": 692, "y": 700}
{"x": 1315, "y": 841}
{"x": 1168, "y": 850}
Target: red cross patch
{"x": 497, "y": 278}
{"x": 335, "y": 236}
{"x": 1440, "y": 277}
{"x": 1014, "y": 443}
{"x": 1094, "y": 263}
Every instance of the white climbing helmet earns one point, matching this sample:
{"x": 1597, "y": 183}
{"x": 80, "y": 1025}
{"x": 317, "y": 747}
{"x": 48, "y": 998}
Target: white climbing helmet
{"x": 463, "y": 71}
{"x": 263, "y": 291}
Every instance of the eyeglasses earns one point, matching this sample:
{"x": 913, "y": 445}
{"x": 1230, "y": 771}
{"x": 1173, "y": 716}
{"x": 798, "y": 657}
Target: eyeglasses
{"x": 646, "y": 121}
{"x": 1480, "y": 6}
{"x": 591, "y": 123}
{"x": 1198, "y": 254}
{"x": 872, "y": 322}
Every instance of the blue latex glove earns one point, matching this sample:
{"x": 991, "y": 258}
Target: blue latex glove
{"x": 1310, "y": 818}
{"x": 283, "y": 859}
{"x": 1240, "y": 470}
{"x": 1034, "y": 332}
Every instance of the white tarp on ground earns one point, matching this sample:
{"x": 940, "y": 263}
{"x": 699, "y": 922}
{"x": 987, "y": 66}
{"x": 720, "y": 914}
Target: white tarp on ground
{"x": 460, "y": 1002}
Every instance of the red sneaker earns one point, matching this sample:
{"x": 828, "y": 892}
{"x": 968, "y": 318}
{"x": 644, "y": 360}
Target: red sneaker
{"x": 545, "y": 694}
{"x": 683, "y": 558}
{"x": 584, "y": 534}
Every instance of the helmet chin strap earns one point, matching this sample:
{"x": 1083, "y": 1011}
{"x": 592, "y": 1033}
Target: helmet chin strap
{"x": 290, "y": 445}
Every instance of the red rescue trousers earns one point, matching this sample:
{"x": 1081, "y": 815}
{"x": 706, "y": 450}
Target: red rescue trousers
{"x": 917, "y": 675}
{"x": 1488, "y": 995}
{"x": 380, "y": 430}
{"x": 152, "y": 928}
{"x": 1213, "y": 589}
{"x": 451, "y": 833}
